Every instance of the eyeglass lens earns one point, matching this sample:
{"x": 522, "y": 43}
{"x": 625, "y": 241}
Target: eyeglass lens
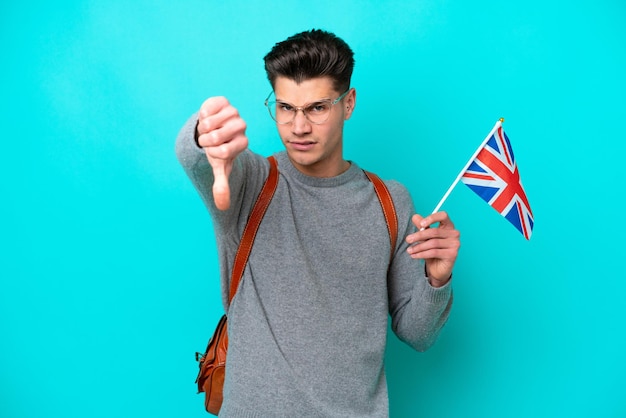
{"x": 317, "y": 112}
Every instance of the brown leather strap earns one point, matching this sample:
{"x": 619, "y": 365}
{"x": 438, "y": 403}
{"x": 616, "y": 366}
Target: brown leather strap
{"x": 389, "y": 210}
{"x": 249, "y": 233}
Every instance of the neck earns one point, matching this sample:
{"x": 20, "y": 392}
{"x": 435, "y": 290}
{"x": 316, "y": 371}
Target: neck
{"x": 322, "y": 169}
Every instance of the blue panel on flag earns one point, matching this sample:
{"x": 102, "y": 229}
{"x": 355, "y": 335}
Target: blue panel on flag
{"x": 485, "y": 192}
{"x": 514, "y": 217}
{"x": 493, "y": 144}
{"x": 475, "y": 167}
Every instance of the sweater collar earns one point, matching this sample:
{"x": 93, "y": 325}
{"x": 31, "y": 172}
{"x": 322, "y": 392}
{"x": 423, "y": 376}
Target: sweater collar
{"x": 286, "y": 167}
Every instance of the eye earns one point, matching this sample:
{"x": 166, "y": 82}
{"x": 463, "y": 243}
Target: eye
{"x": 284, "y": 107}
{"x": 319, "y": 107}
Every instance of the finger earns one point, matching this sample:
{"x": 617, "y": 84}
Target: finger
{"x": 420, "y": 223}
{"x": 228, "y": 150}
{"x": 426, "y": 222}
{"x": 212, "y": 106}
{"x": 438, "y": 217}
{"x": 228, "y": 130}
{"x": 417, "y": 219}
{"x": 221, "y": 189}
{"x": 423, "y": 235}
{"x": 225, "y": 117}
{"x": 444, "y": 255}
{"x": 415, "y": 237}
{"x": 429, "y": 234}
{"x": 446, "y": 247}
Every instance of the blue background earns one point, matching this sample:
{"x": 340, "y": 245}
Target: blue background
{"x": 107, "y": 260}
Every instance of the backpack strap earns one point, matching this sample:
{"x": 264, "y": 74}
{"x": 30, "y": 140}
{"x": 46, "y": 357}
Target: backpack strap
{"x": 389, "y": 210}
{"x": 252, "y": 226}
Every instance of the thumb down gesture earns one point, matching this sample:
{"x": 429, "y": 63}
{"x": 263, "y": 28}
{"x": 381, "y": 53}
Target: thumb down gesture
{"x": 221, "y": 132}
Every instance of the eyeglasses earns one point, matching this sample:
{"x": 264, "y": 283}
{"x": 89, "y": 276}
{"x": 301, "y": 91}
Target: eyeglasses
{"x": 316, "y": 112}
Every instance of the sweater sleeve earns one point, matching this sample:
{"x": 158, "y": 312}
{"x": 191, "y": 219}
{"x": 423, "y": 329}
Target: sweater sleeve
{"x": 245, "y": 183}
{"x": 194, "y": 161}
{"x": 418, "y": 310}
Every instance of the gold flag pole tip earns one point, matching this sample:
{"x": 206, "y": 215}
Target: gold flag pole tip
{"x": 501, "y": 120}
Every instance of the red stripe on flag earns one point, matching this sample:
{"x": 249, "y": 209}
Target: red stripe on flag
{"x": 478, "y": 176}
{"x": 513, "y": 185}
{"x": 522, "y": 218}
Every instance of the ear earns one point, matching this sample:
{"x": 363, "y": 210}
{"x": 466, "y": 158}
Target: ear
{"x": 350, "y": 103}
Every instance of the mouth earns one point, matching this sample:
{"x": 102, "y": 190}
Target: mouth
{"x": 302, "y": 145}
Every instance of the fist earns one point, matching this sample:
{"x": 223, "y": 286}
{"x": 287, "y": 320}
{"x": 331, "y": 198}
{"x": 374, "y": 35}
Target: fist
{"x": 221, "y": 132}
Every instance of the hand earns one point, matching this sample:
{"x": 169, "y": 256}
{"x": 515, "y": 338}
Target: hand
{"x": 438, "y": 246}
{"x": 222, "y": 134}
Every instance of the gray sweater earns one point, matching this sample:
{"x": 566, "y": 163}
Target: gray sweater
{"x": 308, "y": 325}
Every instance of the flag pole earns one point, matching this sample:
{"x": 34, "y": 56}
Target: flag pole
{"x": 445, "y": 196}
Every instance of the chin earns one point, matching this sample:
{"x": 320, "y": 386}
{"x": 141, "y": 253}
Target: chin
{"x": 302, "y": 160}
{"x": 298, "y": 158}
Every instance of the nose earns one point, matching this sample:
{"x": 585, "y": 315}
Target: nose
{"x": 300, "y": 124}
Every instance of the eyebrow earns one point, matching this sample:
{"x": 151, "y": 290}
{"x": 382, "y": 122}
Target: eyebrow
{"x": 306, "y": 104}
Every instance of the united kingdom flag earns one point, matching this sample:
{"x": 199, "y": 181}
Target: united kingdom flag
{"x": 494, "y": 176}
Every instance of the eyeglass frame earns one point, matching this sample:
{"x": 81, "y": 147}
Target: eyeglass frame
{"x": 303, "y": 108}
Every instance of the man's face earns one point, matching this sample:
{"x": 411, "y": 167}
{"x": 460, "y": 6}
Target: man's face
{"x": 315, "y": 150}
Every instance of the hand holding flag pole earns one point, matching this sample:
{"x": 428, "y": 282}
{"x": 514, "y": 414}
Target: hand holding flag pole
{"x": 492, "y": 174}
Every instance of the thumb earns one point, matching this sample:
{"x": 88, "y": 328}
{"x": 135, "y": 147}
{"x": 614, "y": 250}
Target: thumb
{"x": 221, "y": 190}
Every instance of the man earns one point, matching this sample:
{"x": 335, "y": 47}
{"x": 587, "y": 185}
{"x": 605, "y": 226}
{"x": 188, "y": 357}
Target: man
{"x": 307, "y": 327}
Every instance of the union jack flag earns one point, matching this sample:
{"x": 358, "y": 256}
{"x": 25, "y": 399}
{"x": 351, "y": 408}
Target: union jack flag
{"x": 494, "y": 176}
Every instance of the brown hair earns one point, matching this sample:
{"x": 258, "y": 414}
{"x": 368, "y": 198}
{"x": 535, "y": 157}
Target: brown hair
{"x": 311, "y": 54}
